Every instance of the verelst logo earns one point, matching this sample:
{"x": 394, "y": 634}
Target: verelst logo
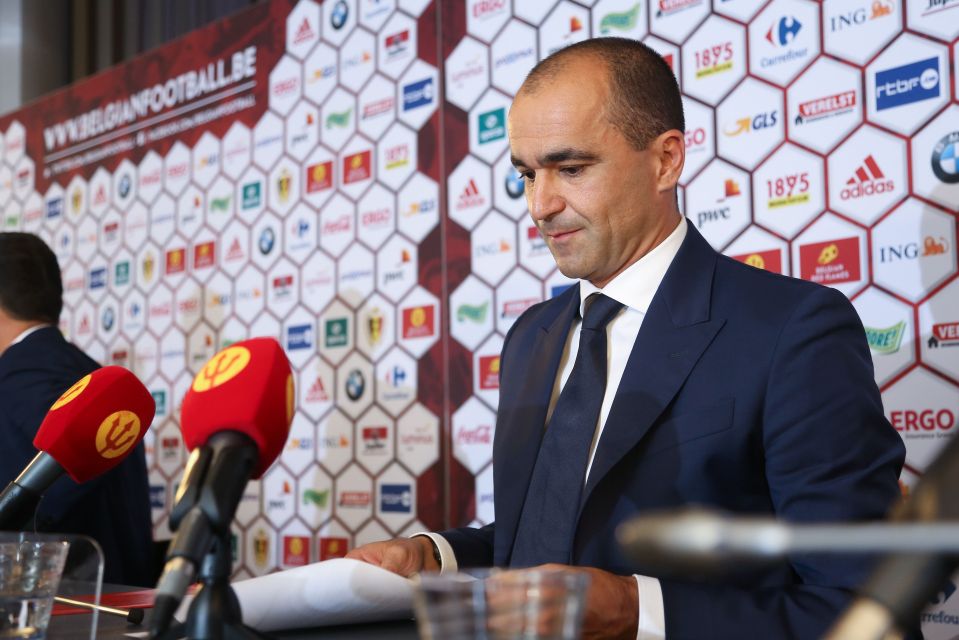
{"x": 909, "y": 83}
{"x": 867, "y": 180}
{"x": 944, "y": 334}
{"x": 945, "y": 158}
{"x": 826, "y": 107}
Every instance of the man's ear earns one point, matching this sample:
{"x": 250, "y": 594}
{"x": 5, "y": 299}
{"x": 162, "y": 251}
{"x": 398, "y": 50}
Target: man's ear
{"x": 670, "y": 149}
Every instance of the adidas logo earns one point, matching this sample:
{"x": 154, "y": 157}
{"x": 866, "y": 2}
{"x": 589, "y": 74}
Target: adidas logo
{"x": 304, "y": 32}
{"x": 867, "y": 180}
{"x": 471, "y": 197}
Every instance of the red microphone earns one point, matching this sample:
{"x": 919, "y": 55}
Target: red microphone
{"x": 235, "y": 420}
{"x": 90, "y": 429}
{"x": 248, "y": 388}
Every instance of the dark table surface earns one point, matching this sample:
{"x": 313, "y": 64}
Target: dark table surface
{"x": 77, "y": 627}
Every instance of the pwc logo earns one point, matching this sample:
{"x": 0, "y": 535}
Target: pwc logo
{"x": 867, "y": 180}
{"x": 117, "y": 434}
{"x": 222, "y": 368}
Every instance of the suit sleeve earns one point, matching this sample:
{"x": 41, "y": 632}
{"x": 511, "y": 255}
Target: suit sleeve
{"x": 830, "y": 455}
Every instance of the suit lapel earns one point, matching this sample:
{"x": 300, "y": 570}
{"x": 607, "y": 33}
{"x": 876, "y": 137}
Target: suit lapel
{"x": 521, "y": 421}
{"x": 675, "y": 332}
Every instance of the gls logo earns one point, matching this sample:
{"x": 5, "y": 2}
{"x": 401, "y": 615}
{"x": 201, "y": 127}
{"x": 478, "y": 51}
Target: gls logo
{"x": 909, "y": 83}
{"x": 755, "y": 123}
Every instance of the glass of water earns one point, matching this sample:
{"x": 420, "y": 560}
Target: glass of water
{"x": 30, "y": 570}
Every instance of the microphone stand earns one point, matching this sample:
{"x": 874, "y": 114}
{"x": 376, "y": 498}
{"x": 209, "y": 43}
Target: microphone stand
{"x": 211, "y": 489}
{"x": 214, "y": 613}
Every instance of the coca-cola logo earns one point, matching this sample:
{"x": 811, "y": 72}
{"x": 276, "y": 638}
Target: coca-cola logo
{"x": 481, "y": 434}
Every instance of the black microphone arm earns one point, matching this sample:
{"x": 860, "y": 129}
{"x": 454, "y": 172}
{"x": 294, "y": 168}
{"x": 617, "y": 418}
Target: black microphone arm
{"x": 19, "y": 500}
{"x": 212, "y": 487}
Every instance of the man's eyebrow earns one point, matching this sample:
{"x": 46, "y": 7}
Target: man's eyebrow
{"x": 558, "y": 156}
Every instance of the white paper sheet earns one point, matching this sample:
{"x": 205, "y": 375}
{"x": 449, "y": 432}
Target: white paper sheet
{"x": 339, "y": 591}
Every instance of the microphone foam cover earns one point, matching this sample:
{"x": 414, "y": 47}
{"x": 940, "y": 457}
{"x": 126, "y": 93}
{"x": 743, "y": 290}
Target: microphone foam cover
{"x": 96, "y": 423}
{"x": 247, "y": 387}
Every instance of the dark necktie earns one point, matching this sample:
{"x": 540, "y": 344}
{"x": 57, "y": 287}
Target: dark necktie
{"x": 547, "y": 523}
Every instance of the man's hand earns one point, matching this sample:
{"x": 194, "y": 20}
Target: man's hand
{"x": 612, "y": 603}
{"x": 404, "y": 556}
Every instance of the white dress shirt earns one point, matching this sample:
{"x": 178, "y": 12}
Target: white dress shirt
{"x": 635, "y": 288}
{"x": 23, "y": 336}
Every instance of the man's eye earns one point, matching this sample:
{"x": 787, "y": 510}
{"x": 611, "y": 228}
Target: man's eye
{"x": 571, "y": 171}
{"x": 529, "y": 176}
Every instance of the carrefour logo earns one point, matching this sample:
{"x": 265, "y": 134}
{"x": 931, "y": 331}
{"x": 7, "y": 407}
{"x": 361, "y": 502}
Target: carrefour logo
{"x": 909, "y": 83}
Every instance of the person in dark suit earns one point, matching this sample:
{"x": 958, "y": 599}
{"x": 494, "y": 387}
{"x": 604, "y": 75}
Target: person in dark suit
{"x": 36, "y": 366}
{"x": 670, "y": 375}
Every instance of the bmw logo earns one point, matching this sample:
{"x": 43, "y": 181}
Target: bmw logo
{"x": 355, "y": 384}
{"x": 108, "y": 318}
{"x": 267, "y": 240}
{"x": 341, "y": 11}
{"x": 514, "y": 183}
{"x": 945, "y": 158}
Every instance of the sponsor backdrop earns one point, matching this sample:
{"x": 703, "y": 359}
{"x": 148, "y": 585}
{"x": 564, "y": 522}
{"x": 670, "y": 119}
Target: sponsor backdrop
{"x": 337, "y": 175}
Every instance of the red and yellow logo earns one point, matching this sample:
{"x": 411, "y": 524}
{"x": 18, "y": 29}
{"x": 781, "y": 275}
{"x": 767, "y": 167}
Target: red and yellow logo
{"x": 117, "y": 434}
{"x": 222, "y": 368}
{"x": 289, "y": 398}
{"x": 72, "y": 392}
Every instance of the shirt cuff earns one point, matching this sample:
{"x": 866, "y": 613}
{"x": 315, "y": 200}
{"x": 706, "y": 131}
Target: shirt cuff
{"x": 652, "y": 615}
{"x": 447, "y": 557}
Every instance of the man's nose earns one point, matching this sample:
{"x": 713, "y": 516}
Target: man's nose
{"x": 543, "y": 198}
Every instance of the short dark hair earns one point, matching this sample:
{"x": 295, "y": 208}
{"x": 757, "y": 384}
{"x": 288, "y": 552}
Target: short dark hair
{"x": 30, "y": 285}
{"x": 644, "y": 95}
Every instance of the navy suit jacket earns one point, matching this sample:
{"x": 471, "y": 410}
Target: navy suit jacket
{"x": 113, "y": 509}
{"x": 745, "y": 391}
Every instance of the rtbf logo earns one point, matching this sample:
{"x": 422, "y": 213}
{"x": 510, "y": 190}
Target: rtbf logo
{"x": 909, "y": 83}
{"x": 867, "y": 180}
{"x": 418, "y": 94}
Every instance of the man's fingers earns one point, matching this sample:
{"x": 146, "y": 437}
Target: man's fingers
{"x": 398, "y": 559}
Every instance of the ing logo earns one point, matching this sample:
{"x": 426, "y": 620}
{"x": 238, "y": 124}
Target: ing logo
{"x": 223, "y": 367}
{"x": 71, "y": 393}
{"x": 117, "y": 434}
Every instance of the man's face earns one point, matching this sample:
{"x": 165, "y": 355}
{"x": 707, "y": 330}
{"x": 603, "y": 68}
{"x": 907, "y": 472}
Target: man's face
{"x": 594, "y": 198}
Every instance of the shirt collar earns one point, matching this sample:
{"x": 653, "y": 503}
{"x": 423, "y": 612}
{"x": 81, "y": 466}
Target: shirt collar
{"x": 23, "y": 336}
{"x": 636, "y": 286}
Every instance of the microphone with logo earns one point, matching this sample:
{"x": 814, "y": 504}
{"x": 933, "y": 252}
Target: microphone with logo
{"x": 90, "y": 429}
{"x": 235, "y": 420}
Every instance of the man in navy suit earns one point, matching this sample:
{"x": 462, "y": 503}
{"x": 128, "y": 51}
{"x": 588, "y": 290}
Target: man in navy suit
{"x": 36, "y": 366}
{"x": 720, "y": 384}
